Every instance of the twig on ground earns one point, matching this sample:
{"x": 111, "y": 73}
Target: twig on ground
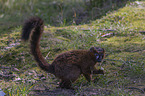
{"x": 47, "y": 55}
{"x": 12, "y": 68}
{"x": 140, "y": 90}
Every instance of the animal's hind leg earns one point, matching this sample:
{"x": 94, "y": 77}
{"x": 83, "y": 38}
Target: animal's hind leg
{"x": 71, "y": 75}
{"x": 66, "y": 84}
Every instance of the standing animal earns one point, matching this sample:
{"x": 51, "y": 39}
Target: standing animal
{"x": 67, "y": 66}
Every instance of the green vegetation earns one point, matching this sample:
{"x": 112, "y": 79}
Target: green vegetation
{"x": 119, "y": 32}
{"x": 54, "y": 12}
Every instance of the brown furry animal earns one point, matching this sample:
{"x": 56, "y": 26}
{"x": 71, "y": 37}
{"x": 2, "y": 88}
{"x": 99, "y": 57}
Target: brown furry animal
{"x": 67, "y": 66}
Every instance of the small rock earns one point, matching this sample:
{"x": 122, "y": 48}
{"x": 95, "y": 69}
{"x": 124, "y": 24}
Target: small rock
{"x": 102, "y": 68}
{"x": 17, "y": 79}
{"x": 2, "y": 93}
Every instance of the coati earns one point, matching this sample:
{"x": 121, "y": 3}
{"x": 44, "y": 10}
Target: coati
{"x": 67, "y": 66}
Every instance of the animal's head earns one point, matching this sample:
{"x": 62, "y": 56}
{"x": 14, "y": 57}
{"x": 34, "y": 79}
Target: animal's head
{"x": 98, "y": 52}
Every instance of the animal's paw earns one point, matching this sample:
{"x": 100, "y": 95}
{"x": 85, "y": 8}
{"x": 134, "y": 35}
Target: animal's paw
{"x": 100, "y": 71}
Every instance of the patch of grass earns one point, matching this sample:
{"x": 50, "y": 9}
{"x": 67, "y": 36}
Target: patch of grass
{"x": 54, "y": 12}
{"x": 22, "y": 89}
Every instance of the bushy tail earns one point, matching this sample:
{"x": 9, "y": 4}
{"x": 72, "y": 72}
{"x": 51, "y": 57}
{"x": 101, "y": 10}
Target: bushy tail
{"x": 33, "y": 29}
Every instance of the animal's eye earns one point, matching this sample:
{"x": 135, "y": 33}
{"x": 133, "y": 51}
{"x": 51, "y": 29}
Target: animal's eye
{"x": 97, "y": 55}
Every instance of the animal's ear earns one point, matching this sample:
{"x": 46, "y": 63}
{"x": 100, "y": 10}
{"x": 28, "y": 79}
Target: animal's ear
{"x": 98, "y": 49}
{"x": 92, "y": 49}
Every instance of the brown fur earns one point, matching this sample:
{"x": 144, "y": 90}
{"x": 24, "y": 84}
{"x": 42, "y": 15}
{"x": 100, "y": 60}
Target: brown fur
{"x": 66, "y": 66}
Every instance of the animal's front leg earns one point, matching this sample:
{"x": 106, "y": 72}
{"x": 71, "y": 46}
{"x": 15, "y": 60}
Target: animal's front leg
{"x": 87, "y": 74}
{"x": 88, "y": 77}
{"x": 97, "y": 71}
